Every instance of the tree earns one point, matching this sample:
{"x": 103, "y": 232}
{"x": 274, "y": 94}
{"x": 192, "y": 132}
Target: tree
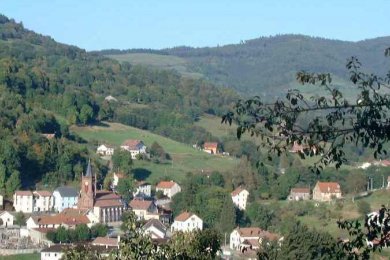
{"x": 20, "y": 219}
{"x": 125, "y": 187}
{"x": 363, "y": 207}
{"x": 122, "y": 161}
{"x": 82, "y": 232}
{"x": 99, "y": 230}
{"x": 86, "y": 114}
{"x": 13, "y": 183}
{"x": 321, "y": 124}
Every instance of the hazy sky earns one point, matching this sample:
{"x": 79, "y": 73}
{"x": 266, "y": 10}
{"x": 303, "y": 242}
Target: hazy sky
{"x": 96, "y": 25}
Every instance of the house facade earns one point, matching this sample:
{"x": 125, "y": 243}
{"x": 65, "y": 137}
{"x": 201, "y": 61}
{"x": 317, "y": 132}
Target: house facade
{"x": 326, "y": 191}
{"x": 187, "y": 222}
{"x": 143, "y": 190}
{"x": 210, "y": 147}
{"x": 43, "y": 201}
{"x": 134, "y": 147}
{"x": 299, "y": 194}
{"x": 155, "y": 229}
{"x": 249, "y": 238}
{"x": 23, "y": 201}
{"x": 240, "y": 197}
{"x": 65, "y": 197}
{"x": 7, "y": 219}
{"x": 168, "y": 188}
{"x": 105, "y": 150}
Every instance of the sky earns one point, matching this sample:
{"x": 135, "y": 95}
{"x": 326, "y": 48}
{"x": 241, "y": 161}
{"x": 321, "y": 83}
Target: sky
{"x": 115, "y": 24}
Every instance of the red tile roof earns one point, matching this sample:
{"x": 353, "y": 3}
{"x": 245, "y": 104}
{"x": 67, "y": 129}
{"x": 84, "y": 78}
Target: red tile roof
{"x": 237, "y": 191}
{"x": 105, "y": 241}
{"x": 165, "y": 184}
{"x": 23, "y": 193}
{"x": 107, "y": 199}
{"x": 43, "y": 193}
{"x": 210, "y": 145}
{"x": 300, "y": 190}
{"x": 140, "y": 204}
{"x": 329, "y": 187}
{"x": 184, "y": 216}
{"x": 61, "y": 219}
{"x": 132, "y": 144}
{"x": 249, "y": 232}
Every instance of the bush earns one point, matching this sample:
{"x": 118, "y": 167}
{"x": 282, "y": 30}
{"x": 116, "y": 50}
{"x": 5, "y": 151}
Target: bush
{"x": 363, "y": 207}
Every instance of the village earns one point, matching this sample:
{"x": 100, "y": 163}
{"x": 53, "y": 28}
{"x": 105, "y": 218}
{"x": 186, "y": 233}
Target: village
{"x": 36, "y": 213}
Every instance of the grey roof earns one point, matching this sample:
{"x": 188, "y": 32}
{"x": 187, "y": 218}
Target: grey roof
{"x": 157, "y": 224}
{"x": 67, "y": 191}
{"x": 89, "y": 169}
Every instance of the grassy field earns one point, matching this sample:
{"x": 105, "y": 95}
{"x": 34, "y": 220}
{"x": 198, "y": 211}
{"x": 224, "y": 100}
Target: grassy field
{"x": 156, "y": 60}
{"x": 184, "y": 157}
{"x": 36, "y": 256}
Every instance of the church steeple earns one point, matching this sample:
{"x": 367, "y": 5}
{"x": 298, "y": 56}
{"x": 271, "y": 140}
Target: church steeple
{"x": 87, "y": 189}
{"x": 89, "y": 169}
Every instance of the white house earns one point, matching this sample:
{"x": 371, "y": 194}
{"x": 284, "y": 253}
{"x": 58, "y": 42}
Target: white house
{"x": 143, "y": 189}
{"x": 7, "y": 219}
{"x": 240, "y": 197}
{"x": 169, "y": 188}
{"x": 43, "y": 201}
{"x": 134, "y": 147}
{"x": 249, "y": 238}
{"x": 56, "y": 251}
{"x": 144, "y": 209}
{"x": 326, "y": 191}
{"x": 65, "y": 197}
{"x": 105, "y": 150}
{"x": 187, "y": 222}
{"x": 155, "y": 228}
{"x": 23, "y": 201}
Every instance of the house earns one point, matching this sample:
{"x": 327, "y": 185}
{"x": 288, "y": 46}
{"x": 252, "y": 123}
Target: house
{"x": 299, "y": 194}
{"x": 23, "y": 201}
{"x": 134, "y": 147}
{"x": 65, "y": 197}
{"x": 168, "y": 188}
{"x": 187, "y": 222}
{"x": 56, "y": 251}
{"x": 142, "y": 189}
{"x": 49, "y": 136}
{"x": 105, "y": 150}
{"x": 155, "y": 228}
{"x": 55, "y": 221}
{"x": 239, "y": 197}
{"x": 110, "y": 98}
{"x": 144, "y": 209}
{"x": 326, "y": 191}
{"x": 106, "y": 241}
{"x": 106, "y": 206}
{"x": 7, "y": 219}
{"x": 211, "y": 148}
{"x": 249, "y": 238}
{"x": 42, "y": 201}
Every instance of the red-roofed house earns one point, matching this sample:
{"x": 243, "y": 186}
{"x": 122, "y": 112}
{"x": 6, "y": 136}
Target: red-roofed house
{"x": 249, "y": 238}
{"x": 144, "y": 209}
{"x": 169, "y": 188}
{"x": 106, "y": 241}
{"x": 239, "y": 197}
{"x": 186, "y": 222}
{"x": 135, "y": 147}
{"x": 326, "y": 191}
{"x": 299, "y": 194}
{"x": 211, "y": 148}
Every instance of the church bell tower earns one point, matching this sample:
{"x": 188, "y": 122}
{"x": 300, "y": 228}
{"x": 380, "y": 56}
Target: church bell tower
{"x": 87, "y": 189}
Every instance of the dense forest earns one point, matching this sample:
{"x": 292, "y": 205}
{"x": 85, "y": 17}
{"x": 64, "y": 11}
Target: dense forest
{"x": 46, "y": 86}
{"x": 267, "y": 65}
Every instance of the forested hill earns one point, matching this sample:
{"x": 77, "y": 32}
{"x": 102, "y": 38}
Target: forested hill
{"x": 46, "y": 86}
{"x": 267, "y": 65}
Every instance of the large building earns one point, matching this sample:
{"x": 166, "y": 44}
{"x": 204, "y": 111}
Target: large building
{"x": 134, "y": 147}
{"x": 65, "y": 197}
{"x": 326, "y": 191}
{"x": 240, "y": 197}
{"x": 105, "y": 205}
{"x": 187, "y": 222}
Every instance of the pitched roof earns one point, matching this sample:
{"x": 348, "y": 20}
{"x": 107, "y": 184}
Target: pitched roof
{"x": 210, "y": 145}
{"x": 141, "y": 183}
{"x": 238, "y": 191}
{"x": 61, "y": 219}
{"x": 23, "y": 193}
{"x": 249, "y": 232}
{"x": 89, "y": 169}
{"x": 105, "y": 241}
{"x": 329, "y": 187}
{"x": 155, "y": 223}
{"x": 184, "y": 216}
{"x": 43, "y": 193}
{"x": 74, "y": 212}
{"x": 140, "y": 204}
{"x": 107, "y": 199}
{"x": 300, "y": 190}
{"x": 165, "y": 184}
{"x": 132, "y": 144}
{"x": 67, "y": 191}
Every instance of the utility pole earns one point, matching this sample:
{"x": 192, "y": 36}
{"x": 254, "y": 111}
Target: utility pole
{"x": 383, "y": 181}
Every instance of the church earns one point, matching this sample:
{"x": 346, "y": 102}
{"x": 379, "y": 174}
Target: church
{"x": 106, "y": 206}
